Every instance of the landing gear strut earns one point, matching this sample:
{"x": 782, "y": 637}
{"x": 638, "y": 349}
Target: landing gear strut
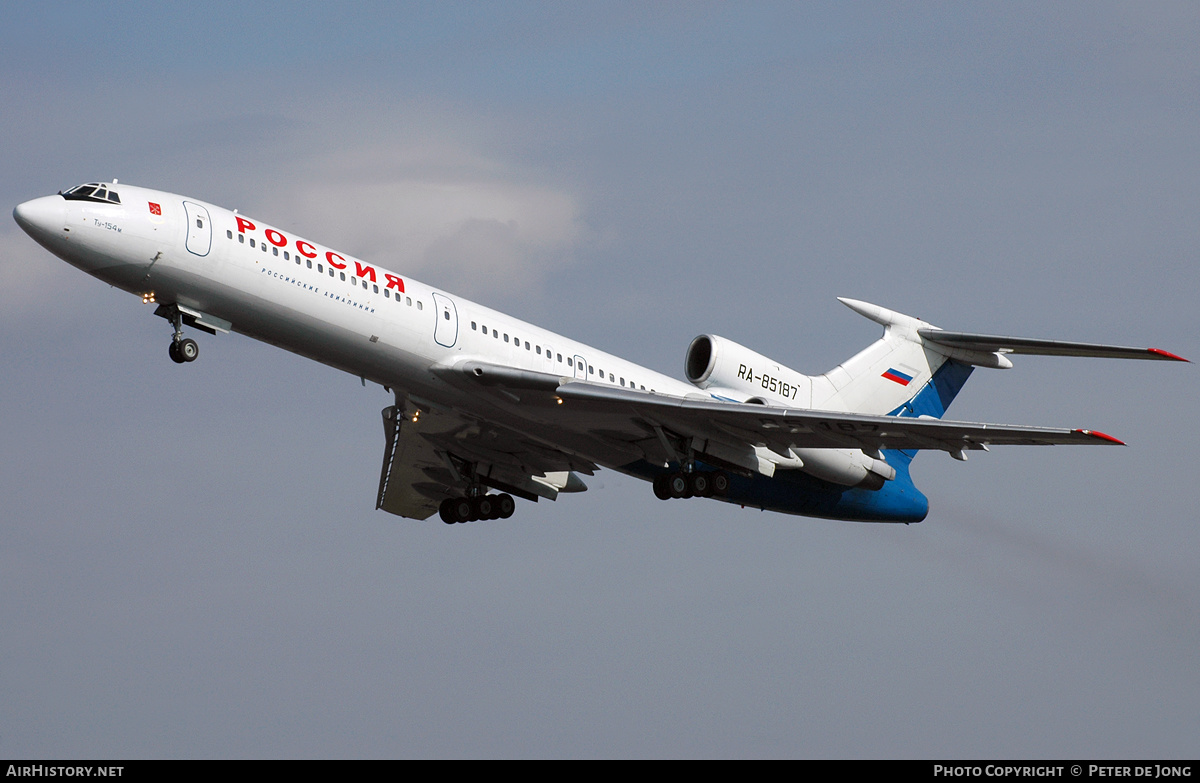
{"x": 182, "y": 349}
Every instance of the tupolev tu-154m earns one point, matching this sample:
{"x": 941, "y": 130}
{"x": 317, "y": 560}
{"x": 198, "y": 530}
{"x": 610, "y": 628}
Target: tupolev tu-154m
{"x": 485, "y": 401}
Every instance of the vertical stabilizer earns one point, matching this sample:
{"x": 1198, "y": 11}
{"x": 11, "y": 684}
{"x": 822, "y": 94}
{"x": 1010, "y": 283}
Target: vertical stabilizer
{"x": 889, "y": 375}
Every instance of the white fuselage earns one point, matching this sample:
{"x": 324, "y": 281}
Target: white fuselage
{"x": 356, "y": 316}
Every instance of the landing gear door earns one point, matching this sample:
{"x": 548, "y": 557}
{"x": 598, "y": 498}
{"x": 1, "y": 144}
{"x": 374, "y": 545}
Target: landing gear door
{"x": 199, "y": 235}
{"x": 445, "y": 333}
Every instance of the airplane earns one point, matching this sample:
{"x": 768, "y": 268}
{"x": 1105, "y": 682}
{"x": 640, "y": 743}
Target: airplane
{"x": 485, "y": 401}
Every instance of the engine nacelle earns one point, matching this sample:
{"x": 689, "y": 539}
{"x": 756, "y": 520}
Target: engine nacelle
{"x": 848, "y": 467}
{"x": 719, "y": 365}
{"x": 724, "y": 368}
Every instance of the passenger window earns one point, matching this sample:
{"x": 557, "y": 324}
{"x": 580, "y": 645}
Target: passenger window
{"x": 352, "y": 280}
{"x": 539, "y": 350}
{"x": 251, "y": 242}
{"x": 387, "y": 294}
{"x": 610, "y": 377}
{"x": 229, "y": 235}
{"x": 199, "y": 223}
{"x": 288, "y": 256}
{"x": 274, "y": 251}
{"x": 570, "y": 363}
{"x": 365, "y": 286}
{"x": 446, "y": 314}
{"x": 298, "y": 258}
{"x": 591, "y": 371}
{"x": 242, "y": 238}
{"x": 342, "y": 275}
{"x": 473, "y": 329}
{"x": 408, "y": 301}
{"x": 419, "y": 306}
{"x": 506, "y": 338}
{"x": 376, "y": 289}
{"x": 527, "y": 345}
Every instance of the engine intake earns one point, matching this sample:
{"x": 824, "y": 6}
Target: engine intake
{"x": 716, "y": 364}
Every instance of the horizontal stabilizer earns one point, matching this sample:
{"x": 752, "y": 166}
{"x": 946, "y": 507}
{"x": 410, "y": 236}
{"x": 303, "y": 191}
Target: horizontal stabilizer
{"x": 1002, "y": 344}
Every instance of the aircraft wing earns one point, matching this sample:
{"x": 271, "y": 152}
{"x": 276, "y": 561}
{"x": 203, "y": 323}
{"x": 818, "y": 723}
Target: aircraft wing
{"x": 555, "y": 426}
{"x": 780, "y": 429}
{"x": 650, "y": 425}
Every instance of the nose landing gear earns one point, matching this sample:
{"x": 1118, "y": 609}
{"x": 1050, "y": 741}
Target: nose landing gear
{"x": 185, "y": 350}
{"x": 182, "y": 349}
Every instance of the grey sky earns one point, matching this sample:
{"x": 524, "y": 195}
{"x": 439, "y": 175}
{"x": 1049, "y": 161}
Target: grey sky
{"x": 190, "y": 559}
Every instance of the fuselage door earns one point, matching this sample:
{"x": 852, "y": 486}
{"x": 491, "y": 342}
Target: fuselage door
{"x": 199, "y": 235}
{"x": 445, "y": 333}
{"x": 580, "y": 368}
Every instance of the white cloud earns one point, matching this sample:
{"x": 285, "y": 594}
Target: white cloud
{"x": 441, "y": 212}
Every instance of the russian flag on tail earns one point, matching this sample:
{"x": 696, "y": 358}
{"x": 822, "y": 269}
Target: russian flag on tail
{"x": 901, "y": 378}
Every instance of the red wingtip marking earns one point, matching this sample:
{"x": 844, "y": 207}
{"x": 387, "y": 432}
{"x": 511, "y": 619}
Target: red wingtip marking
{"x": 1102, "y": 436}
{"x": 1168, "y": 355}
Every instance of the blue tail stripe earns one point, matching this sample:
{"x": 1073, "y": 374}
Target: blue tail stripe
{"x": 933, "y": 400}
{"x": 935, "y": 397}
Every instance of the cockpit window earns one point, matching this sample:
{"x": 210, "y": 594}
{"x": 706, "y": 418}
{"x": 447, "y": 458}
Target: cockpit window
{"x": 92, "y": 191}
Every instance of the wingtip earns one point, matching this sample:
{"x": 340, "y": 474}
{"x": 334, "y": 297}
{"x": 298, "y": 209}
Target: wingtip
{"x": 1160, "y": 353}
{"x": 1101, "y": 436}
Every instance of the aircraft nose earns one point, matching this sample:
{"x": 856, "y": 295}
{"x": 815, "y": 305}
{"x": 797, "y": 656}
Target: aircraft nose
{"x": 42, "y": 217}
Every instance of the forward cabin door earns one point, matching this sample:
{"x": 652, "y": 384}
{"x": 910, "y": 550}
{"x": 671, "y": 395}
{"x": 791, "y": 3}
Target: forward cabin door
{"x": 199, "y": 235}
{"x": 445, "y": 333}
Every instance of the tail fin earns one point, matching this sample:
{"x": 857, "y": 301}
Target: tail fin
{"x": 900, "y": 374}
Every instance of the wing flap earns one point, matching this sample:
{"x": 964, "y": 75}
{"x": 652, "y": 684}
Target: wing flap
{"x": 431, "y": 455}
{"x": 404, "y": 486}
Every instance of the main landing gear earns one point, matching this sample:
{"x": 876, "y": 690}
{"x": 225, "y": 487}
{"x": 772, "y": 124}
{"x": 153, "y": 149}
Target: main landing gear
{"x": 182, "y": 349}
{"x": 698, "y": 484}
{"x": 475, "y": 504}
{"x": 473, "y": 509}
